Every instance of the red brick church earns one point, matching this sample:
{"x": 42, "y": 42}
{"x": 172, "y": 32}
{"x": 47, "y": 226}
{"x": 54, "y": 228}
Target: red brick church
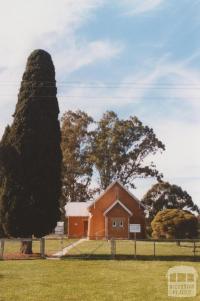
{"x": 109, "y": 216}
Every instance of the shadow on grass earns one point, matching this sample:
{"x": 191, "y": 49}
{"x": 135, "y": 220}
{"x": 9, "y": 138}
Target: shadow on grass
{"x": 131, "y": 257}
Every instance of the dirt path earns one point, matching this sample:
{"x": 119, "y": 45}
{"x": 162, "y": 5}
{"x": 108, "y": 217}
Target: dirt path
{"x": 68, "y": 248}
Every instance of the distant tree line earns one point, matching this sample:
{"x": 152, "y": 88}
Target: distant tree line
{"x": 164, "y": 195}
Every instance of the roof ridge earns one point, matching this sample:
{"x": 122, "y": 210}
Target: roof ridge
{"x": 110, "y": 186}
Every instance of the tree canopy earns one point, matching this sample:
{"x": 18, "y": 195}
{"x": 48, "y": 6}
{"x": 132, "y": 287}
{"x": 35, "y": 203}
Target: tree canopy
{"x": 120, "y": 147}
{"x": 174, "y": 223}
{"x": 163, "y": 195}
{"x": 76, "y": 146}
{"x": 30, "y": 154}
{"x": 106, "y": 150}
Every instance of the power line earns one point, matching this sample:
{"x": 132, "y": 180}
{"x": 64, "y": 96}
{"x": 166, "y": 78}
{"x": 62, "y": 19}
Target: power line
{"x": 108, "y": 97}
{"x": 126, "y": 87}
{"x": 130, "y": 87}
{"x": 104, "y": 85}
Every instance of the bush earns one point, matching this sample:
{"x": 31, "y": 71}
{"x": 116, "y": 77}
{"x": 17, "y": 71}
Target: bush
{"x": 174, "y": 223}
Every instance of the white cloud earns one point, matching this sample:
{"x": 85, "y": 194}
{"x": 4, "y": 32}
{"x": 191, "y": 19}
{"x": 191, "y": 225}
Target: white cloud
{"x": 108, "y": 96}
{"x": 180, "y": 85}
{"x": 76, "y": 57}
{"x": 169, "y": 79}
{"x": 180, "y": 163}
{"x": 181, "y": 158}
{"x": 28, "y": 25}
{"x": 136, "y": 7}
{"x": 188, "y": 81}
{"x": 191, "y": 185}
{"x": 25, "y": 25}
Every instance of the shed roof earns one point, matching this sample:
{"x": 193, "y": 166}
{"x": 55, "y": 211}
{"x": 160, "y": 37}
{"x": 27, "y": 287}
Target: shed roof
{"x": 77, "y": 208}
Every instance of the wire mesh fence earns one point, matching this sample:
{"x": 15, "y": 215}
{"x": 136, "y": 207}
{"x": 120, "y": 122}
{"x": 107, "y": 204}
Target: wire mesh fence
{"x": 41, "y": 248}
{"x": 158, "y": 249}
{"x": 136, "y": 249}
{"x": 56, "y": 246}
{"x": 11, "y": 249}
{"x": 91, "y": 249}
{"x": 65, "y": 248}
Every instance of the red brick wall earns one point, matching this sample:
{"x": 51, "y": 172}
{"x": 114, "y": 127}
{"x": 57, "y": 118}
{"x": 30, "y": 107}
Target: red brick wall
{"x": 97, "y": 222}
{"x": 117, "y": 212}
{"x": 76, "y": 226}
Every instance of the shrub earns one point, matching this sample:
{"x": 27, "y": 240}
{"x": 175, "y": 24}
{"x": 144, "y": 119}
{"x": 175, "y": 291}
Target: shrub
{"x": 174, "y": 223}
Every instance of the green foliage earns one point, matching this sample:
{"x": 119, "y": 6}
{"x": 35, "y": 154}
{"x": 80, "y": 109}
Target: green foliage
{"x": 30, "y": 154}
{"x": 163, "y": 195}
{"x": 175, "y": 223}
{"x": 76, "y": 145}
{"x": 113, "y": 149}
{"x": 119, "y": 148}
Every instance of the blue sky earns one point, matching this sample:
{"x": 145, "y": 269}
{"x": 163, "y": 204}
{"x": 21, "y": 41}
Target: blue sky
{"x": 136, "y": 57}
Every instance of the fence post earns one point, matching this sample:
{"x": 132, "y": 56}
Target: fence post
{"x": 135, "y": 244}
{"x": 194, "y": 250}
{"x": 154, "y": 248}
{"x": 113, "y": 247}
{"x": 2, "y": 248}
{"x": 42, "y": 247}
{"x": 61, "y": 244}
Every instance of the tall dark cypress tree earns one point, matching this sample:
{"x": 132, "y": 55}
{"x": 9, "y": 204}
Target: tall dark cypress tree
{"x": 30, "y": 155}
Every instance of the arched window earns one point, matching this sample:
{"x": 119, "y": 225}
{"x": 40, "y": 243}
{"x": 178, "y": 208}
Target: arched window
{"x": 118, "y": 223}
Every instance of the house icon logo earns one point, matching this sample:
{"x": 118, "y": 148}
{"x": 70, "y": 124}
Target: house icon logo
{"x": 182, "y": 281}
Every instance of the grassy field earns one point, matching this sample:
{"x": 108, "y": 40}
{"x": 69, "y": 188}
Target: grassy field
{"x": 51, "y": 246}
{"x": 102, "y": 248}
{"x": 86, "y": 280}
{"x": 125, "y": 248}
{"x": 90, "y": 280}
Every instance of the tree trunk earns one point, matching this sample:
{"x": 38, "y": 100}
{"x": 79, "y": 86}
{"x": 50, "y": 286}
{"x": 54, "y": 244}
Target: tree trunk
{"x": 26, "y": 247}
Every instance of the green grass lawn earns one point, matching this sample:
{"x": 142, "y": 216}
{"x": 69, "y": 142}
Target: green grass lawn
{"x": 86, "y": 280}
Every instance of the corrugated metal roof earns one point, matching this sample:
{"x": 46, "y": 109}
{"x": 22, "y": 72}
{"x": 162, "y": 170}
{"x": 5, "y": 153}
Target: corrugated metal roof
{"x": 77, "y": 208}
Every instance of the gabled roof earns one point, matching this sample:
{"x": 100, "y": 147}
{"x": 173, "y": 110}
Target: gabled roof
{"x": 110, "y": 186}
{"x": 122, "y": 205}
{"x": 77, "y": 209}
